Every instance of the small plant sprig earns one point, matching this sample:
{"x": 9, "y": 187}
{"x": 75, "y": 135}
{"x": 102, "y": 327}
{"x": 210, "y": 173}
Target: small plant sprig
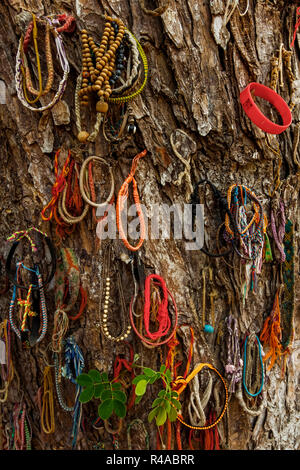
{"x": 112, "y": 398}
{"x": 167, "y": 403}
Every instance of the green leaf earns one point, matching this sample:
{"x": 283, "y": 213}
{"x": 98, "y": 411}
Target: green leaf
{"x": 162, "y": 393}
{"x": 136, "y": 357}
{"x": 116, "y": 386}
{"x": 98, "y": 390}
{"x": 137, "y": 379}
{"x": 176, "y": 403}
{"x": 161, "y": 416}
{"x": 106, "y": 395}
{"x": 154, "y": 378}
{"x": 174, "y": 394}
{"x": 87, "y": 394}
{"x": 169, "y": 375}
{"x": 95, "y": 375}
{"x": 149, "y": 372}
{"x": 120, "y": 396}
{"x": 119, "y": 408}
{"x": 104, "y": 377}
{"x": 152, "y": 414}
{"x": 138, "y": 399}
{"x": 105, "y": 409}
{"x": 140, "y": 389}
{"x": 172, "y": 414}
{"x": 167, "y": 405}
{"x": 162, "y": 369}
{"x": 84, "y": 380}
{"x": 157, "y": 402}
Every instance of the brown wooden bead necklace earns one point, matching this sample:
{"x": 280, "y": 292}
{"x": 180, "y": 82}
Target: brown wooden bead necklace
{"x": 96, "y": 73}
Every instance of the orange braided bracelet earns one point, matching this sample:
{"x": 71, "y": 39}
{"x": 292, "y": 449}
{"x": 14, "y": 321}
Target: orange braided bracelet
{"x": 121, "y": 200}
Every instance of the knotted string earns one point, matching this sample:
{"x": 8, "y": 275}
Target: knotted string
{"x": 58, "y": 186}
{"x": 27, "y": 311}
{"x": 162, "y": 314}
{"x": 17, "y": 236}
{"x": 121, "y": 201}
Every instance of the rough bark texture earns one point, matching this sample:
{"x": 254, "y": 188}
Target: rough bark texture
{"x": 197, "y": 70}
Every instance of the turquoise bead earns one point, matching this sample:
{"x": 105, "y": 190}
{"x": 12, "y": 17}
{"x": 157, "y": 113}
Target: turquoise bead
{"x": 208, "y": 329}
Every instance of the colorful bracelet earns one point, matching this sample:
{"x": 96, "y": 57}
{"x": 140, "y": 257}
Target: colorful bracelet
{"x": 17, "y": 236}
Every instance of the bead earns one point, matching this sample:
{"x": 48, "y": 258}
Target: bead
{"x": 83, "y": 136}
{"x": 208, "y": 329}
{"x": 101, "y": 107}
{"x": 108, "y": 279}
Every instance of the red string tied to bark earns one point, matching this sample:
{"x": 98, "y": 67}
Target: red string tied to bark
{"x": 296, "y": 27}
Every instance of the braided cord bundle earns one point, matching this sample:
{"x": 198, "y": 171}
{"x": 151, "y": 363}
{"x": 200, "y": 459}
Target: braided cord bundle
{"x": 19, "y": 75}
{"x": 162, "y": 317}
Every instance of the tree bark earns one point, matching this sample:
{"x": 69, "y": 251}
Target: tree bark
{"x": 197, "y": 68}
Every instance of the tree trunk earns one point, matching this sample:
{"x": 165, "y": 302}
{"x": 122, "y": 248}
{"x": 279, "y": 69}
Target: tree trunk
{"x": 198, "y": 65}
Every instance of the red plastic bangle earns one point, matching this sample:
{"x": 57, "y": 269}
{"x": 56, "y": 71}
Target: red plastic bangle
{"x": 256, "y": 116}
